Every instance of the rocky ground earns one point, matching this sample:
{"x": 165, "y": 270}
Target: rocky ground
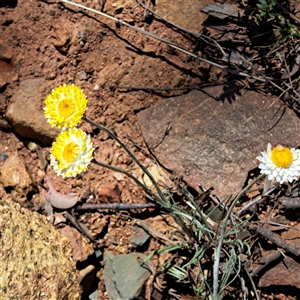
{"x": 139, "y": 88}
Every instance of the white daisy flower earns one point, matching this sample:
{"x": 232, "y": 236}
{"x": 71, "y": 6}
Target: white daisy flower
{"x": 280, "y": 163}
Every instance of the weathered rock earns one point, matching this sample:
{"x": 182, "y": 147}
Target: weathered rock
{"x": 124, "y": 276}
{"x": 35, "y": 259}
{"x": 87, "y": 277}
{"x": 5, "y": 53}
{"x": 215, "y": 143}
{"x": 82, "y": 75}
{"x": 3, "y": 80}
{"x": 116, "y": 7}
{"x": 26, "y": 113}
{"x": 109, "y": 193}
{"x": 61, "y": 39}
{"x": 285, "y": 273}
{"x": 14, "y": 175}
{"x": 6, "y": 73}
{"x": 223, "y": 10}
{"x": 139, "y": 238}
{"x": 81, "y": 249}
{"x": 185, "y": 13}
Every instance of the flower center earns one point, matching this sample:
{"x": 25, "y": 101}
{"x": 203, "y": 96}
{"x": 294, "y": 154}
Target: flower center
{"x": 71, "y": 152}
{"x": 66, "y": 107}
{"x": 282, "y": 157}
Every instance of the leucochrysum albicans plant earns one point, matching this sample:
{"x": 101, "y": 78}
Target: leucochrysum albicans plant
{"x": 280, "y": 163}
{"x": 72, "y": 152}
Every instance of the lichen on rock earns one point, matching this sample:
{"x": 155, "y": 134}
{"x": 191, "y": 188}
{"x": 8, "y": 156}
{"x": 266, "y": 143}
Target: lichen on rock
{"x": 35, "y": 259}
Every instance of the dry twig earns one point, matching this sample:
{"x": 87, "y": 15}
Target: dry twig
{"x": 291, "y": 203}
{"x": 113, "y": 206}
{"x": 265, "y": 262}
{"x": 275, "y": 239}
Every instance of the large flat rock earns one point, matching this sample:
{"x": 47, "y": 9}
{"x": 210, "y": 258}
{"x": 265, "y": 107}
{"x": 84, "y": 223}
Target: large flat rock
{"x": 185, "y": 13}
{"x": 214, "y": 141}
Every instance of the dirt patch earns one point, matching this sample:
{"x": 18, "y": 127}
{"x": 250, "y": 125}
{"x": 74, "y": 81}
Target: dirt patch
{"x": 66, "y": 46}
{"x": 122, "y": 72}
{"x": 63, "y": 44}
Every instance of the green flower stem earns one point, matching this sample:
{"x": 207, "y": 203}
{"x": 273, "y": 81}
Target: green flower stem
{"x": 216, "y": 296}
{"x": 144, "y": 187}
{"x": 162, "y": 200}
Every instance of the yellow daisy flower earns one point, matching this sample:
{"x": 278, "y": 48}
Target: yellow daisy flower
{"x": 280, "y": 163}
{"x": 65, "y": 106}
{"x": 71, "y": 152}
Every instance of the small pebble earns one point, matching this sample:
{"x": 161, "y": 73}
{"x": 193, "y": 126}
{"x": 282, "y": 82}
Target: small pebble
{"x": 4, "y": 124}
{"x": 83, "y": 36}
{"x": 51, "y": 76}
{"x": 118, "y": 176}
{"x": 82, "y": 75}
{"x": 88, "y": 69}
{"x": 3, "y": 156}
{"x": 177, "y": 81}
{"x": 74, "y": 62}
{"x": 31, "y": 146}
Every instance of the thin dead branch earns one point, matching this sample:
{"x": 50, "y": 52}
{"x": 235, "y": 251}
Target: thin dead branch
{"x": 264, "y": 262}
{"x": 274, "y": 238}
{"x": 291, "y": 203}
{"x": 113, "y": 206}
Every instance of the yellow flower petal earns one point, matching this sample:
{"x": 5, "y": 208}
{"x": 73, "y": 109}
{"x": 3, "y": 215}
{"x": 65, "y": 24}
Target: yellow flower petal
{"x": 71, "y": 152}
{"x": 65, "y": 106}
{"x": 282, "y": 157}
